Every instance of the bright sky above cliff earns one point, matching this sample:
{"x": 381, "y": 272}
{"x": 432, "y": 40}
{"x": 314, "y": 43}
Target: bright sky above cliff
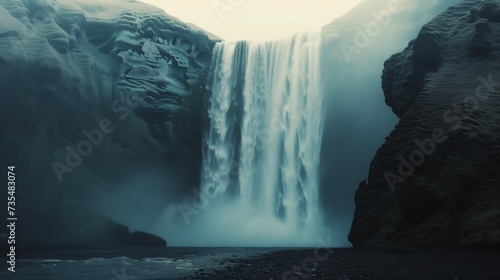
{"x": 255, "y": 19}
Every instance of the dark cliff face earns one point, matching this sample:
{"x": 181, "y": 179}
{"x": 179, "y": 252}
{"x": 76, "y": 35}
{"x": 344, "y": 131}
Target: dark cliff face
{"x": 357, "y": 119}
{"x": 435, "y": 182}
{"x": 92, "y": 95}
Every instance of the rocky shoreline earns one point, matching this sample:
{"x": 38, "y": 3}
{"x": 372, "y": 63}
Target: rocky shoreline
{"x": 359, "y": 264}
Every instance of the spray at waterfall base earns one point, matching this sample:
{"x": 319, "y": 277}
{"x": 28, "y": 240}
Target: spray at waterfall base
{"x": 260, "y": 182}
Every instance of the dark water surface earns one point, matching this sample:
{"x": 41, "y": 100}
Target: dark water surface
{"x": 121, "y": 264}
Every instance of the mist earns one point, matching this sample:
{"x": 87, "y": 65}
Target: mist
{"x": 357, "y": 119}
{"x": 356, "y": 122}
{"x": 156, "y": 170}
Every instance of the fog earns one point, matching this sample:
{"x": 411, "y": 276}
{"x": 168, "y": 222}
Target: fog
{"x": 357, "y": 120}
{"x": 128, "y": 178}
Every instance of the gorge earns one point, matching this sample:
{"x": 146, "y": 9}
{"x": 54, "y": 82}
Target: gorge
{"x": 248, "y": 143}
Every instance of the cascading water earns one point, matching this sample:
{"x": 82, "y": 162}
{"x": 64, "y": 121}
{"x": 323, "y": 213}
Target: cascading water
{"x": 262, "y": 144}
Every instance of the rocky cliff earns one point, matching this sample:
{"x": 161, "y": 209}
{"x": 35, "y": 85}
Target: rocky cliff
{"x": 94, "y": 93}
{"x": 435, "y": 182}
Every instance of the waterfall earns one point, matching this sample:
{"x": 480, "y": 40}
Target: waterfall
{"x": 263, "y": 136}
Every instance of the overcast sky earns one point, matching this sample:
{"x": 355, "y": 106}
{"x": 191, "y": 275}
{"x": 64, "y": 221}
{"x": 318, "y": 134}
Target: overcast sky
{"x": 255, "y": 19}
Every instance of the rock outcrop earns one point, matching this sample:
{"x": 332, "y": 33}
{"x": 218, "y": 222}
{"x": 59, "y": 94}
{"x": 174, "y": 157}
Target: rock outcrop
{"x": 357, "y": 120}
{"x": 93, "y": 94}
{"x": 144, "y": 239}
{"x": 435, "y": 182}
